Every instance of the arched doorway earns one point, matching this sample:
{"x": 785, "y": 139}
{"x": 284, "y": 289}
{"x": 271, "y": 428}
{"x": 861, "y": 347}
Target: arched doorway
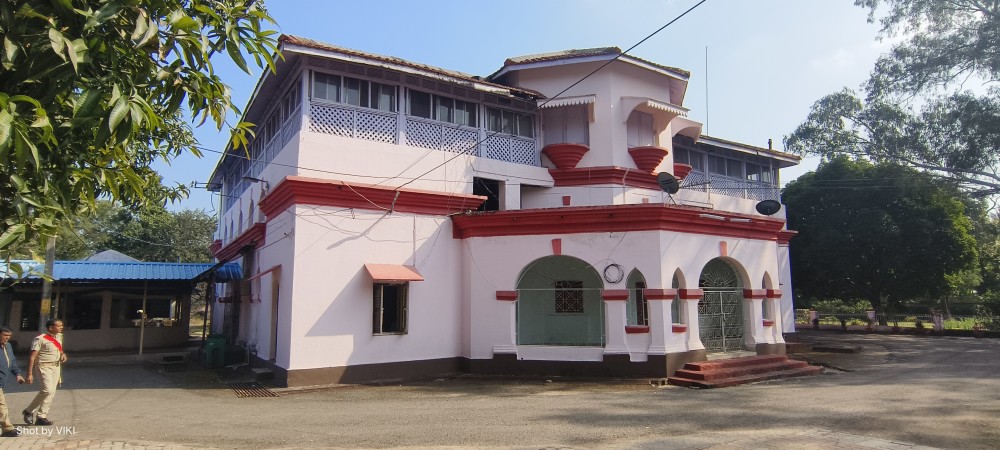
{"x": 559, "y": 303}
{"x": 720, "y": 312}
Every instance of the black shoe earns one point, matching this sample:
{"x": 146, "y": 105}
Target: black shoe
{"x": 42, "y": 421}
{"x": 29, "y": 418}
{"x": 11, "y": 433}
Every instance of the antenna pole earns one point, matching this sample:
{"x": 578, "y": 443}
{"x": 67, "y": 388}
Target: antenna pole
{"x": 706, "y": 89}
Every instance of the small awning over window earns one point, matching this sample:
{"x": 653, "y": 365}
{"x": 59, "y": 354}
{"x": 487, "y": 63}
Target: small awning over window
{"x": 393, "y": 272}
{"x": 567, "y": 101}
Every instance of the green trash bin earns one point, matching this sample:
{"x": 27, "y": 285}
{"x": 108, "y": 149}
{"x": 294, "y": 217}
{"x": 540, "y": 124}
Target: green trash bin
{"x": 214, "y": 351}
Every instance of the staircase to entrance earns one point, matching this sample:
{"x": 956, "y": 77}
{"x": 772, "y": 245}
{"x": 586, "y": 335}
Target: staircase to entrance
{"x": 734, "y": 371}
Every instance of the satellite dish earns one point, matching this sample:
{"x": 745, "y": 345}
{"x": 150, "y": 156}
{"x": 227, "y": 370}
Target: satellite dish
{"x": 668, "y": 183}
{"x": 768, "y": 207}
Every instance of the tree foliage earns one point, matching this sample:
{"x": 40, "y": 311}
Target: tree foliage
{"x": 152, "y": 234}
{"x": 912, "y": 110}
{"x": 882, "y": 233}
{"x": 92, "y": 92}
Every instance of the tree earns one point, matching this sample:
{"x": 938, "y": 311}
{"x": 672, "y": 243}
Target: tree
{"x": 151, "y": 234}
{"x": 910, "y": 112}
{"x": 882, "y": 233}
{"x": 92, "y": 92}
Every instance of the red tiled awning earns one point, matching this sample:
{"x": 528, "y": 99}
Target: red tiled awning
{"x": 393, "y": 272}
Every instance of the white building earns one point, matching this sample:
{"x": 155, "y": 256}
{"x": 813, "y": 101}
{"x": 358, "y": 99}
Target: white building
{"x": 356, "y": 221}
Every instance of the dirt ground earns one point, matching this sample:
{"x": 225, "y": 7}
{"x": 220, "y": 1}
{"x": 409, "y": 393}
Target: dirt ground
{"x": 932, "y": 391}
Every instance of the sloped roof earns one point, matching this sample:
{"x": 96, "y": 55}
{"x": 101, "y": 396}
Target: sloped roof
{"x": 110, "y": 256}
{"x": 454, "y": 74}
{"x": 126, "y": 271}
{"x": 561, "y": 55}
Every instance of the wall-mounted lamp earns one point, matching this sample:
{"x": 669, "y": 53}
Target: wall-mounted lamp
{"x": 711, "y": 216}
{"x": 267, "y": 186}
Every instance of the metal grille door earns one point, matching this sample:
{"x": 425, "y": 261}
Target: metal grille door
{"x": 720, "y": 317}
{"x": 720, "y": 312}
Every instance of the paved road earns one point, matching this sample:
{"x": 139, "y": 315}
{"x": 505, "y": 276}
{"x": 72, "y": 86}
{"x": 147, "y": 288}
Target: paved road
{"x": 902, "y": 392}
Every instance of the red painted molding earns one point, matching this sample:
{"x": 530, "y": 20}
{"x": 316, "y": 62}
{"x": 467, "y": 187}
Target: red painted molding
{"x": 588, "y": 176}
{"x": 785, "y": 236}
{"x": 612, "y": 218}
{"x": 691, "y": 294}
{"x": 296, "y": 190}
{"x": 614, "y": 294}
{"x": 659, "y": 294}
{"x": 557, "y": 247}
{"x": 565, "y": 155}
{"x": 636, "y": 329}
{"x": 252, "y": 237}
{"x": 773, "y": 293}
{"x": 647, "y": 158}
{"x": 507, "y": 296}
{"x": 754, "y": 293}
{"x": 678, "y": 328}
{"x": 681, "y": 171}
{"x": 768, "y": 323}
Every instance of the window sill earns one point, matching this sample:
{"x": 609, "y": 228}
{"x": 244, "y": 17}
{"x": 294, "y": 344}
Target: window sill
{"x": 679, "y": 328}
{"x": 401, "y": 333}
{"x": 768, "y": 323}
{"x": 636, "y": 329}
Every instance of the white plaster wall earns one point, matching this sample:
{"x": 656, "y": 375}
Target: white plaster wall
{"x": 331, "y": 322}
{"x": 498, "y": 261}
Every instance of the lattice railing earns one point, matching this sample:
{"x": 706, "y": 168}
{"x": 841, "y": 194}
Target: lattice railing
{"x": 361, "y": 123}
{"x": 355, "y": 123}
{"x": 733, "y": 187}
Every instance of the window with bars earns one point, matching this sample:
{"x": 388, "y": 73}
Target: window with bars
{"x": 641, "y": 306}
{"x": 566, "y": 125}
{"x": 640, "y": 129}
{"x": 389, "y": 308}
{"x": 354, "y": 91}
{"x": 510, "y": 122}
{"x": 568, "y": 296}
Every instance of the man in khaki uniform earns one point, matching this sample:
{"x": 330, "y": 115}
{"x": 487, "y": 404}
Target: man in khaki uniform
{"x": 46, "y": 354}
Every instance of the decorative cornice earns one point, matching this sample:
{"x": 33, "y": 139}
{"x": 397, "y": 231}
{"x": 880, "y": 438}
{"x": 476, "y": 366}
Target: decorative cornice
{"x": 295, "y": 190}
{"x": 614, "y": 218}
{"x": 589, "y": 176}
{"x": 774, "y": 293}
{"x": 614, "y": 294}
{"x": 648, "y": 158}
{"x": 507, "y": 296}
{"x": 253, "y": 237}
{"x": 785, "y": 236}
{"x": 754, "y": 293}
{"x": 691, "y": 294}
{"x": 659, "y": 294}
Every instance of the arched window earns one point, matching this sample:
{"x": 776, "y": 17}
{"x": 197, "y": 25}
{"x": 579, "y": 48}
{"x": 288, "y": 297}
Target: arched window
{"x": 676, "y": 306}
{"x": 637, "y": 308}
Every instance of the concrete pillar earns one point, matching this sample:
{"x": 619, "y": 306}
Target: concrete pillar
{"x": 507, "y": 321}
{"x": 660, "y": 320}
{"x": 691, "y": 297}
{"x": 615, "y": 320}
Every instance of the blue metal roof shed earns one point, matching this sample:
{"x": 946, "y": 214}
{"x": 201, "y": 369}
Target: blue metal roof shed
{"x": 125, "y": 271}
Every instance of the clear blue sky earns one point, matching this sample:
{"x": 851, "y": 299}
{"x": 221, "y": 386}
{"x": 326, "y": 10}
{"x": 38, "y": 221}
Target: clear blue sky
{"x": 768, "y": 60}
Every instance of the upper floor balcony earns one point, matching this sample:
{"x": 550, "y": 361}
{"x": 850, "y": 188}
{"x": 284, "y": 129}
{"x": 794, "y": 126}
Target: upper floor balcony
{"x": 346, "y": 120}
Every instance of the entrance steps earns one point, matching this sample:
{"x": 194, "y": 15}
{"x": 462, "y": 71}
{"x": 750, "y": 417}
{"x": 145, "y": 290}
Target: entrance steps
{"x": 731, "y": 372}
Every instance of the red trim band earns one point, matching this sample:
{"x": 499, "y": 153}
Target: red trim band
{"x": 613, "y": 218}
{"x": 768, "y": 323}
{"x": 691, "y": 294}
{"x": 589, "y": 176}
{"x": 614, "y": 294}
{"x": 636, "y": 329}
{"x": 295, "y": 190}
{"x": 678, "y": 328}
{"x": 507, "y": 296}
{"x": 754, "y": 293}
{"x": 773, "y": 293}
{"x": 253, "y": 237}
{"x": 659, "y": 294}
